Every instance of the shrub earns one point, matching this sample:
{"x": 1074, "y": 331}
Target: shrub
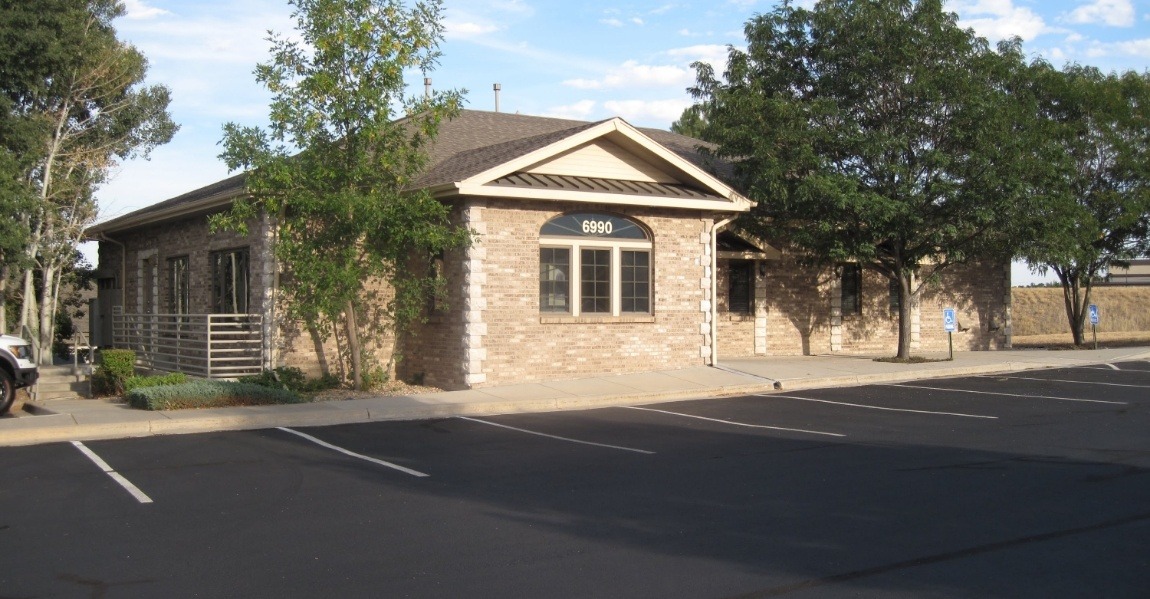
{"x": 116, "y": 366}
{"x": 208, "y": 394}
{"x": 159, "y": 380}
{"x": 292, "y": 379}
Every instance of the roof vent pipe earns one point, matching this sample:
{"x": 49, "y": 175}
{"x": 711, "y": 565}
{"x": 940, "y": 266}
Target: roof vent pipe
{"x": 497, "y": 87}
{"x": 427, "y": 87}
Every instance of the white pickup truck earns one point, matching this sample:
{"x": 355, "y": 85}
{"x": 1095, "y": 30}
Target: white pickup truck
{"x": 17, "y": 369}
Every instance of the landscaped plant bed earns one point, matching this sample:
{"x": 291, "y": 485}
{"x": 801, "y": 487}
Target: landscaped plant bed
{"x": 209, "y": 394}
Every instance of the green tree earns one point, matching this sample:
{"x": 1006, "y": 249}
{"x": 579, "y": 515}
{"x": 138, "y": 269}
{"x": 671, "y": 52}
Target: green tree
{"x": 876, "y": 132}
{"x": 691, "y": 123}
{"x": 1092, "y": 210}
{"x": 345, "y": 211}
{"x": 74, "y": 105}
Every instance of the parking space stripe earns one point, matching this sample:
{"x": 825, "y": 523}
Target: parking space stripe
{"x": 116, "y": 476}
{"x": 353, "y": 454}
{"x": 523, "y": 430}
{"x": 774, "y": 428}
{"x": 870, "y": 407}
{"x": 1027, "y": 378}
{"x": 1118, "y": 403}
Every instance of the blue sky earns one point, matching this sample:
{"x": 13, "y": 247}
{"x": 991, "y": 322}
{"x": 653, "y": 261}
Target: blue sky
{"x": 583, "y": 60}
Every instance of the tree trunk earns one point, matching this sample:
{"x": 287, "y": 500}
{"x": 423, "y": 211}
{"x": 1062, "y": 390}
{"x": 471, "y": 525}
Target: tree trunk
{"x": 28, "y": 308}
{"x": 353, "y": 348}
{"x": 1072, "y": 299}
{"x": 904, "y": 328}
{"x": 44, "y": 331}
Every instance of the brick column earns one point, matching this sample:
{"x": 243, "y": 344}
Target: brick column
{"x": 707, "y": 262}
{"x": 760, "y": 309}
{"x": 836, "y": 314}
{"x": 264, "y": 280}
{"x": 474, "y": 302}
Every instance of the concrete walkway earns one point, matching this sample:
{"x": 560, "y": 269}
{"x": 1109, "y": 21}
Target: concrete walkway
{"x": 89, "y": 419}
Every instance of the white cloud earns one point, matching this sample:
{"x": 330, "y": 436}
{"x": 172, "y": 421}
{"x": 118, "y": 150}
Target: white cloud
{"x": 632, "y": 74}
{"x": 137, "y": 10}
{"x": 613, "y": 22}
{"x": 637, "y": 21}
{"x": 580, "y": 110}
{"x": 467, "y": 29}
{"x": 647, "y": 110}
{"x": 662, "y": 9}
{"x": 514, "y": 6}
{"x": 998, "y": 19}
{"x": 1117, "y": 13}
{"x": 713, "y": 54}
{"x": 1139, "y": 48}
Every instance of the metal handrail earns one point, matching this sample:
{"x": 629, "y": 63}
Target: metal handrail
{"x": 206, "y": 345}
{"x": 76, "y": 345}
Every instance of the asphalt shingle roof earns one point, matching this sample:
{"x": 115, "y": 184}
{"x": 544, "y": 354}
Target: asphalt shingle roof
{"x": 469, "y": 144}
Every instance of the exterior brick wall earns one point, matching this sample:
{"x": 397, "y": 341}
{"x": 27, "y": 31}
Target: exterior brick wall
{"x": 802, "y": 312}
{"x": 186, "y": 237}
{"x": 490, "y": 330}
{"x": 505, "y": 335}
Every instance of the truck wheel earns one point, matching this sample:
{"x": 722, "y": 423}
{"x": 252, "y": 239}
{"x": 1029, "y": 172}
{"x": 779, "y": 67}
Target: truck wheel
{"x": 7, "y": 391}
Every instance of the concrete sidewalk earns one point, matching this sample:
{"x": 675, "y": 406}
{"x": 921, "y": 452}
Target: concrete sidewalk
{"x": 88, "y": 419}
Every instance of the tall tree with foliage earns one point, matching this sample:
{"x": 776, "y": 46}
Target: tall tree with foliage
{"x": 345, "y": 211}
{"x": 76, "y": 104}
{"x": 1091, "y": 211}
{"x": 871, "y": 131}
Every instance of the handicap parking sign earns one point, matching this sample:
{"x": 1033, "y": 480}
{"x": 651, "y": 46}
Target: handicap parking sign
{"x": 1093, "y": 311}
{"x": 949, "y": 320}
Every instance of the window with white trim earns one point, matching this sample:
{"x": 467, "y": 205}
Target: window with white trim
{"x": 594, "y": 264}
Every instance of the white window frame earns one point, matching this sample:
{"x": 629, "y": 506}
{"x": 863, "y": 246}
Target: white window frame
{"x": 616, "y": 246}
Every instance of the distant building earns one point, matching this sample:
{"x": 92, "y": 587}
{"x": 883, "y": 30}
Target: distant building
{"x": 1138, "y": 273}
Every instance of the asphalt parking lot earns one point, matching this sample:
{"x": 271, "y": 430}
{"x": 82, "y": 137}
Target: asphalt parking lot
{"x": 1019, "y": 485}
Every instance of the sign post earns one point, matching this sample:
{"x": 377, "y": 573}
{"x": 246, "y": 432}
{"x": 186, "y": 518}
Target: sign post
{"x": 1092, "y": 309}
{"x": 950, "y": 325}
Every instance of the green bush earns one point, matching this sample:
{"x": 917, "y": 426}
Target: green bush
{"x": 119, "y": 362}
{"x": 292, "y": 379}
{"x": 158, "y": 380}
{"x": 115, "y": 367}
{"x": 208, "y": 394}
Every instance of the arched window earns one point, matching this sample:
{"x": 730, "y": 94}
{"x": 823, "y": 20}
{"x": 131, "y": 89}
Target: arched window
{"x": 594, "y": 264}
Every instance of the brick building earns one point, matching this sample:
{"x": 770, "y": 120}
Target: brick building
{"x": 599, "y": 248}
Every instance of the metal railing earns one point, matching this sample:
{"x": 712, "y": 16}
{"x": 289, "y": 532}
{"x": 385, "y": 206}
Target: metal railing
{"x": 80, "y": 343}
{"x": 203, "y": 345}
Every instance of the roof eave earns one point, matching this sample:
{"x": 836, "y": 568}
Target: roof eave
{"x": 130, "y": 221}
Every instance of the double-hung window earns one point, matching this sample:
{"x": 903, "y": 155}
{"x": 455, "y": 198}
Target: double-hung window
{"x": 593, "y": 264}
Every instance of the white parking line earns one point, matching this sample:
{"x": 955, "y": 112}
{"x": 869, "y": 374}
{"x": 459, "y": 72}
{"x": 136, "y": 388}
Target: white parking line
{"x": 116, "y": 476}
{"x": 352, "y": 453}
{"x": 859, "y": 405}
{"x": 774, "y": 428}
{"x": 1119, "y": 403}
{"x": 1027, "y": 378}
{"x": 1113, "y": 367}
{"x": 523, "y": 430}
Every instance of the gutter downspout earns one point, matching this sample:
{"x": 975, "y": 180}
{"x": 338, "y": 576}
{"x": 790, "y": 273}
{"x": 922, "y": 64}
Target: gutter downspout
{"x": 715, "y": 288}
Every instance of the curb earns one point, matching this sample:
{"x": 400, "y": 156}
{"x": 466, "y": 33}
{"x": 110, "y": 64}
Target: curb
{"x": 49, "y": 426}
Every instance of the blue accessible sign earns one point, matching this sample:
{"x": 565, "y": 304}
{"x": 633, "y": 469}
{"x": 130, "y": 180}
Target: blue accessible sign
{"x": 1092, "y": 310}
{"x": 949, "y": 320}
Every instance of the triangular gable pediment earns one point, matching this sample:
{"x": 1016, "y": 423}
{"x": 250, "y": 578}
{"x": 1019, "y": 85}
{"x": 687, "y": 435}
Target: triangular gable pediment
{"x": 610, "y": 162}
{"x": 602, "y": 159}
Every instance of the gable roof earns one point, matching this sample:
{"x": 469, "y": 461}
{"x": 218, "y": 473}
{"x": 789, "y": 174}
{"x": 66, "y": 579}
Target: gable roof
{"x": 478, "y": 144}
